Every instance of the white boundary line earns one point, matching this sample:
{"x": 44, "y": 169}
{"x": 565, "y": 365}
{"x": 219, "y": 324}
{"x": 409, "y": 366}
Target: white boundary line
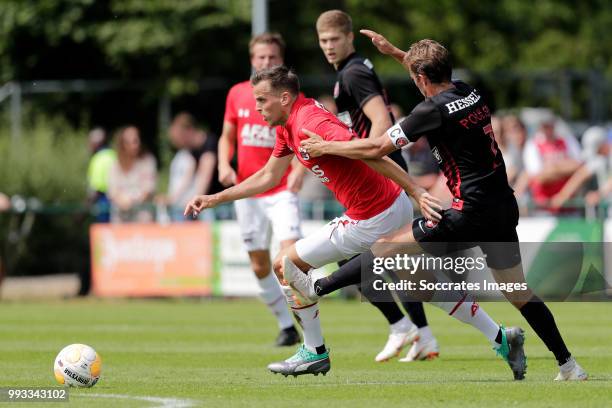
{"x": 159, "y": 401}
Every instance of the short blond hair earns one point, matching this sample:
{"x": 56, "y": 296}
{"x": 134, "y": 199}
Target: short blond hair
{"x": 429, "y": 58}
{"x": 335, "y": 19}
{"x": 270, "y": 39}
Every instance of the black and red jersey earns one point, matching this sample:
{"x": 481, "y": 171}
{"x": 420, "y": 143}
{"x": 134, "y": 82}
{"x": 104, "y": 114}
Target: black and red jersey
{"x": 356, "y": 84}
{"x": 457, "y": 125}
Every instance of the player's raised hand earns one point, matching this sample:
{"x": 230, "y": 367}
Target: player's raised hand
{"x": 314, "y": 145}
{"x": 198, "y": 204}
{"x": 380, "y": 42}
{"x": 430, "y": 205}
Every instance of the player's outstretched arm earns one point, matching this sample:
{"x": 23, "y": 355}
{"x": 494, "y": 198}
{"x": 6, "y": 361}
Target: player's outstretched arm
{"x": 384, "y": 45}
{"x": 369, "y": 148}
{"x": 429, "y": 204}
{"x": 267, "y": 177}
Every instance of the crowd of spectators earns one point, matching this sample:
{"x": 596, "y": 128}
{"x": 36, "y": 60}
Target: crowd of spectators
{"x": 123, "y": 176}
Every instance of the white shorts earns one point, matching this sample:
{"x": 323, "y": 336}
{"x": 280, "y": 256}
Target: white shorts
{"x": 259, "y": 217}
{"x": 344, "y": 237}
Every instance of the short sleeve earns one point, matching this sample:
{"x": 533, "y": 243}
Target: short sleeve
{"x": 281, "y": 149}
{"x": 230, "y": 107}
{"x": 211, "y": 143}
{"x": 361, "y": 84}
{"x": 424, "y": 118}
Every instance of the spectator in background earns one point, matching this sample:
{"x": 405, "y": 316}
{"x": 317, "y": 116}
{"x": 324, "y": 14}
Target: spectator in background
{"x": 5, "y": 202}
{"x": 98, "y": 171}
{"x": 515, "y": 133}
{"x": 550, "y": 160}
{"x": 510, "y": 152}
{"x": 132, "y": 179}
{"x": 597, "y": 158}
{"x": 203, "y": 148}
{"x": 181, "y": 183}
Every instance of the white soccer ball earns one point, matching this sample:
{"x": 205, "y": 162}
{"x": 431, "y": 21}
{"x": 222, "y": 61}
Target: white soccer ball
{"x": 77, "y": 365}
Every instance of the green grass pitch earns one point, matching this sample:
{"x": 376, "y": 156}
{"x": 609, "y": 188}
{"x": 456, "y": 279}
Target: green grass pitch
{"x": 181, "y": 353}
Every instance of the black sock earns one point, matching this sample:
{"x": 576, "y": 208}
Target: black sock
{"x": 498, "y": 338}
{"x": 348, "y": 274}
{"x": 383, "y": 301}
{"x": 543, "y": 323}
{"x": 321, "y": 349}
{"x": 416, "y": 312}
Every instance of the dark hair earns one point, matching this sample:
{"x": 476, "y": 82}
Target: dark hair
{"x": 280, "y": 77}
{"x": 122, "y": 156}
{"x": 430, "y": 58}
{"x": 184, "y": 120}
{"x": 331, "y": 19}
{"x": 268, "y": 38}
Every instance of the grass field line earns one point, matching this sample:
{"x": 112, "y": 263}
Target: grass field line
{"x": 158, "y": 401}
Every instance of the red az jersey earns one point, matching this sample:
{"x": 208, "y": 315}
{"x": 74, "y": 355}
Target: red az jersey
{"x": 364, "y": 192}
{"x": 255, "y": 138}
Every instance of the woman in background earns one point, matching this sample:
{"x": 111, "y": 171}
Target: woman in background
{"x": 132, "y": 180}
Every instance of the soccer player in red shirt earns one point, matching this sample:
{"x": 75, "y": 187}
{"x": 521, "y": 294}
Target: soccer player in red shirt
{"x": 275, "y": 209}
{"x": 375, "y": 206}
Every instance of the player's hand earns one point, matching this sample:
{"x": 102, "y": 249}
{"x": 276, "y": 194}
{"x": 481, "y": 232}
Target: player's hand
{"x": 199, "y": 204}
{"x": 227, "y": 176}
{"x": 295, "y": 180}
{"x": 314, "y": 145}
{"x": 429, "y": 204}
{"x": 379, "y": 41}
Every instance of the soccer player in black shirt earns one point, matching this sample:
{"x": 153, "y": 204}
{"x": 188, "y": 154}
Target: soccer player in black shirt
{"x": 363, "y": 105}
{"x": 455, "y": 119}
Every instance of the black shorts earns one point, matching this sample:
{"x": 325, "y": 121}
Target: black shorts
{"x": 492, "y": 228}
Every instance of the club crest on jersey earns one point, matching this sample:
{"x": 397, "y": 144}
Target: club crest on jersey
{"x": 336, "y": 89}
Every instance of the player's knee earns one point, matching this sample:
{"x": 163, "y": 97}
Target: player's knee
{"x": 261, "y": 266}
